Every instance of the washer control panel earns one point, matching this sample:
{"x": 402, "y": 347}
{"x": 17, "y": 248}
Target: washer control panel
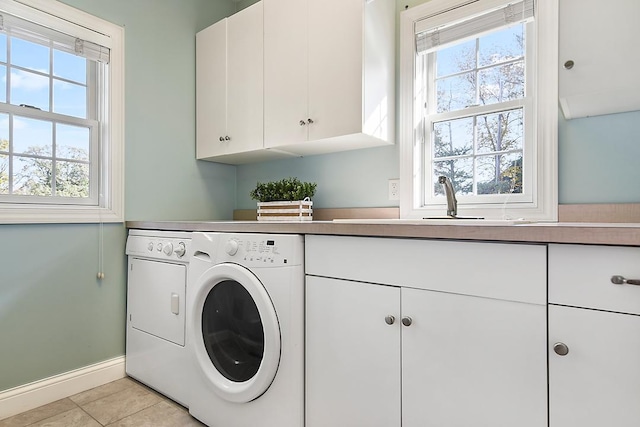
{"x": 263, "y": 250}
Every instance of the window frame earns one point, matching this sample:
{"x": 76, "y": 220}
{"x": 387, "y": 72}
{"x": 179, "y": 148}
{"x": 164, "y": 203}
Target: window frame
{"x": 109, "y": 206}
{"x": 542, "y": 203}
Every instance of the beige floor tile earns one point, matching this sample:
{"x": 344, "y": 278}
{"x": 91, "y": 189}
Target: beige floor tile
{"x": 73, "y": 418}
{"x": 119, "y": 405}
{"x": 102, "y": 391}
{"x": 39, "y": 414}
{"x": 163, "y": 414}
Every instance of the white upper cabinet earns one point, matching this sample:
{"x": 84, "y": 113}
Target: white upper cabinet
{"x": 211, "y": 93}
{"x": 229, "y": 95}
{"x": 599, "y": 57}
{"x": 285, "y": 72}
{"x": 329, "y": 74}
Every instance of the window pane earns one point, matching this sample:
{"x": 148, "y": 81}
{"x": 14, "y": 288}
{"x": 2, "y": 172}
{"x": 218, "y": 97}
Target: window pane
{"x": 29, "y": 55}
{"x": 501, "y": 83}
{"x": 459, "y": 171}
{"x": 455, "y": 59}
{"x": 72, "y": 179}
{"x": 3, "y": 47}
{"x": 30, "y": 89}
{"x": 72, "y": 142}
{"x": 3, "y": 83}
{"x": 456, "y": 93}
{"x": 500, "y": 131}
{"x": 70, "y": 67}
{"x": 4, "y": 174}
{"x": 500, "y": 174}
{"x": 32, "y": 176}
{"x": 69, "y": 99}
{"x": 453, "y": 137}
{"x": 32, "y": 136}
{"x": 4, "y": 132}
{"x": 502, "y": 45}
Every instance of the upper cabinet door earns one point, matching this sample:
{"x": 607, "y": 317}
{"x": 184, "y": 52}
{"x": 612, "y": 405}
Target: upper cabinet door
{"x": 336, "y": 36}
{"x": 245, "y": 79}
{"x": 599, "y": 57}
{"x": 285, "y": 72}
{"x": 329, "y": 75}
{"x": 211, "y": 95}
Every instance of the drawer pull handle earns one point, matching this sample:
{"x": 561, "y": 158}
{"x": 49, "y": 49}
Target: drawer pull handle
{"x": 620, "y": 280}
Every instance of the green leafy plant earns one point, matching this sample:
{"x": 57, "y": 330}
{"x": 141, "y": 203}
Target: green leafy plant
{"x": 287, "y": 189}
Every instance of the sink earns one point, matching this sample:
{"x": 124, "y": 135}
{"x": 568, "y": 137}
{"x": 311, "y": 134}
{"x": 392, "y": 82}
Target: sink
{"x": 439, "y": 221}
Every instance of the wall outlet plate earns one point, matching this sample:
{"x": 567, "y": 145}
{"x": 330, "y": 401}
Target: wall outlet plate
{"x": 394, "y": 189}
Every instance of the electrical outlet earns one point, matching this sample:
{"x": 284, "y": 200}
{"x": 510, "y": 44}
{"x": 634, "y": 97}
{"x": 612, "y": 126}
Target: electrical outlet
{"x": 394, "y": 189}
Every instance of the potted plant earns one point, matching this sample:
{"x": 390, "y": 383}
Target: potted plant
{"x": 286, "y": 200}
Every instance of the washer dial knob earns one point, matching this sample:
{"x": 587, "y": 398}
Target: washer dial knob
{"x": 231, "y": 247}
{"x": 168, "y": 249}
{"x": 180, "y": 250}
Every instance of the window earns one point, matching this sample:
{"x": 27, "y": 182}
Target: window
{"x": 61, "y": 121}
{"x": 479, "y": 100}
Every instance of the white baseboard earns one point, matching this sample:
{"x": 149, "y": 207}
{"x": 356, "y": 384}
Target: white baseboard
{"x": 38, "y": 393}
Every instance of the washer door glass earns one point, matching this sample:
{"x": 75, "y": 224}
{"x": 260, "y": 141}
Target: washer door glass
{"x": 235, "y": 332}
{"x": 232, "y": 331}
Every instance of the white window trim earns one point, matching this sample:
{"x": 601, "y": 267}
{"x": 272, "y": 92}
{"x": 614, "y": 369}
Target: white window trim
{"x": 111, "y": 203}
{"x": 544, "y": 206}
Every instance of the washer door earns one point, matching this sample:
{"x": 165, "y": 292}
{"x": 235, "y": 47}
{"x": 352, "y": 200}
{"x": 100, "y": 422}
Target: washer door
{"x": 236, "y": 332}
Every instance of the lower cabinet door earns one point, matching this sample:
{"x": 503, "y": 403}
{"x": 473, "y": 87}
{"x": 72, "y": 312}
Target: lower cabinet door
{"x": 471, "y": 361}
{"x": 594, "y": 368}
{"x": 352, "y": 354}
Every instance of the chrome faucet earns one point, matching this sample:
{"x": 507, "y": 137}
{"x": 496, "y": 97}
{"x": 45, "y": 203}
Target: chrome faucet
{"x": 452, "y": 202}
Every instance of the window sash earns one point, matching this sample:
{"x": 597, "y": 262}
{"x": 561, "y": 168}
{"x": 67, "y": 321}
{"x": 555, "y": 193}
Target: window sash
{"x": 93, "y": 160}
{"x": 424, "y": 114}
{"x": 55, "y": 40}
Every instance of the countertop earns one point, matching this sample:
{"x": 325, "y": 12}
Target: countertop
{"x": 577, "y": 233}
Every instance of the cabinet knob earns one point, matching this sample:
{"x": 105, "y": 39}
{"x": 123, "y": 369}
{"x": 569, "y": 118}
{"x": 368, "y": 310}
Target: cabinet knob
{"x": 222, "y": 139}
{"x": 407, "y": 321}
{"x": 309, "y": 121}
{"x": 302, "y": 123}
{"x": 569, "y": 64}
{"x": 226, "y": 138}
{"x": 561, "y": 349}
{"x": 621, "y": 280}
{"x": 389, "y": 320}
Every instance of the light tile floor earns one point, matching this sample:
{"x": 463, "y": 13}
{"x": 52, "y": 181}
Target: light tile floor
{"x": 122, "y": 403}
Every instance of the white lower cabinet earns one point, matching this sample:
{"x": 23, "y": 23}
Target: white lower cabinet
{"x": 597, "y": 383}
{"x": 469, "y": 361}
{"x": 403, "y": 352}
{"x": 352, "y": 355}
{"x": 594, "y": 336}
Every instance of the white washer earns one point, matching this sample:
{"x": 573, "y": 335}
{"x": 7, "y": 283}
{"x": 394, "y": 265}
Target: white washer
{"x": 245, "y": 309}
{"x": 156, "y": 311}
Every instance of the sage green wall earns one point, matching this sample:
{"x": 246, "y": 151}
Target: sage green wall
{"x": 597, "y": 163}
{"x": 54, "y": 315}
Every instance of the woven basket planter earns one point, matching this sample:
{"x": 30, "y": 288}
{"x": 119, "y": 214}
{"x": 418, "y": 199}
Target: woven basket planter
{"x": 299, "y": 210}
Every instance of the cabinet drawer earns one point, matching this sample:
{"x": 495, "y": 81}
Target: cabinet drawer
{"x": 580, "y": 276}
{"x": 514, "y": 272}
